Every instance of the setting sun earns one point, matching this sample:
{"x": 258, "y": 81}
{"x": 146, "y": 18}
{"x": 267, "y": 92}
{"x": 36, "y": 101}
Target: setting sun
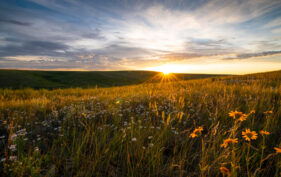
{"x": 165, "y": 72}
{"x": 167, "y": 68}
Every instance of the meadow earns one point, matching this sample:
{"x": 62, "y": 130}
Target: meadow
{"x": 219, "y": 126}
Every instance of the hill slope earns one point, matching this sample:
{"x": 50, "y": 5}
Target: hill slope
{"x": 65, "y": 79}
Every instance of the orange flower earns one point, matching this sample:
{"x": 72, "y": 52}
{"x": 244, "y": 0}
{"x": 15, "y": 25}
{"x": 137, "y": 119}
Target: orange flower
{"x": 234, "y": 114}
{"x": 278, "y": 150}
{"x": 242, "y": 117}
{"x": 84, "y": 115}
{"x": 249, "y": 135}
{"x": 238, "y": 115}
{"x": 252, "y": 112}
{"x": 264, "y": 132}
{"x": 196, "y": 132}
{"x": 224, "y": 171}
{"x": 227, "y": 141}
{"x": 268, "y": 112}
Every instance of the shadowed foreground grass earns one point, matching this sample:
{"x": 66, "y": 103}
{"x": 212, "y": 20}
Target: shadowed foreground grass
{"x": 184, "y": 128}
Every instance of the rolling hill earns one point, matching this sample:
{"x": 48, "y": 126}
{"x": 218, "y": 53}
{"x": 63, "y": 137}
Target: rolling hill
{"x": 17, "y": 79}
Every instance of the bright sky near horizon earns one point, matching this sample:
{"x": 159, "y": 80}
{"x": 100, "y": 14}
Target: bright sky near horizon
{"x": 202, "y": 36}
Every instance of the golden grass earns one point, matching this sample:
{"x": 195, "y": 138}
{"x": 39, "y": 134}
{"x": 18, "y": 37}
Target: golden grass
{"x": 181, "y": 128}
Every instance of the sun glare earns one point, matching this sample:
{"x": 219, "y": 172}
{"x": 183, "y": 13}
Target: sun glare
{"x": 167, "y": 69}
{"x": 165, "y": 72}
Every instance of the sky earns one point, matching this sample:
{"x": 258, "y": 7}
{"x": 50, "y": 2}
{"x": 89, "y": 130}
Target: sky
{"x": 187, "y": 36}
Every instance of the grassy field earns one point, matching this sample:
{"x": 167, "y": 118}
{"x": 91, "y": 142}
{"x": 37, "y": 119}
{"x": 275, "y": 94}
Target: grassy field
{"x": 19, "y": 79}
{"x": 223, "y": 126}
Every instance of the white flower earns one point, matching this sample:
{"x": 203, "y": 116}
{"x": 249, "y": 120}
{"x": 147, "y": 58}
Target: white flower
{"x": 13, "y": 136}
{"x": 13, "y": 158}
{"x": 150, "y": 137}
{"x": 13, "y": 147}
{"x": 36, "y": 149}
{"x": 151, "y": 145}
{"x": 3, "y": 159}
{"x": 134, "y": 139}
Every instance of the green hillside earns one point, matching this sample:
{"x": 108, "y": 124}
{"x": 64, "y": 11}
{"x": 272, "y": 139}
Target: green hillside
{"x": 17, "y": 79}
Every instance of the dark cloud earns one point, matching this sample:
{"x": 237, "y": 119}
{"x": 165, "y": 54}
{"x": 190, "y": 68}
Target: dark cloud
{"x": 96, "y": 34}
{"x": 14, "y": 22}
{"x": 251, "y": 55}
{"x": 34, "y": 48}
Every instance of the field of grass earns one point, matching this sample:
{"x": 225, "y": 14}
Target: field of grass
{"x": 19, "y": 79}
{"x": 180, "y": 128}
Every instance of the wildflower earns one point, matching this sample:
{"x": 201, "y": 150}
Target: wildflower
{"x": 268, "y": 112}
{"x": 278, "y": 150}
{"x": 84, "y": 115}
{"x": 13, "y": 158}
{"x": 234, "y": 114}
{"x": 249, "y": 135}
{"x": 264, "y": 132}
{"x": 196, "y": 131}
{"x": 224, "y": 171}
{"x": 229, "y": 140}
{"x": 238, "y": 115}
{"x": 13, "y": 136}
{"x": 150, "y": 137}
{"x": 3, "y": 160}
{"x": 13, "y": 147}
{"x": 252, "y": 112}
{"x": 134, "y": 139}
{"x": 242, "y": 117}
{"x": 151, "y": 145}
{"x": 36, "y": 149}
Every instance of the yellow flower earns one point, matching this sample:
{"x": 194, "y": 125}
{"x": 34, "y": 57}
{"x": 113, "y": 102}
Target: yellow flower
{"x": 252, "y": 112}
{"x": 278, "y": 150}
{"x": 249, "y": 135}
{"x": 268, "y": 112}
{"x": 235, "y": 114}
{"x": 196, "y": 132}
{"x": 193, "y": 135}
{"x": 242, "y": 117}
{"x": 264, "y": 132}
{"x": 227, "y": 141}
{"x": 224, "y": 171}
{"x": 84, "y": 115}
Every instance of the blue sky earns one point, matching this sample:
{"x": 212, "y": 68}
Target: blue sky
{"x": 203, "y": 36}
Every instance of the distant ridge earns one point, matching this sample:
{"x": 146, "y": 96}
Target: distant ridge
{"x": 17, "y": 79}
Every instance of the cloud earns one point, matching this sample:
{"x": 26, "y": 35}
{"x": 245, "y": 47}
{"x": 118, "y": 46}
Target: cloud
{"x": 251, "y": 55}
{"x": 34, "y": 48}
{"x": 14, "y": 22}
{"x": 123, "y": 34}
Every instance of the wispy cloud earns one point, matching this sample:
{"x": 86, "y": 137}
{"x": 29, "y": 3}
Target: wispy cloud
{"x": 252, "y": 55}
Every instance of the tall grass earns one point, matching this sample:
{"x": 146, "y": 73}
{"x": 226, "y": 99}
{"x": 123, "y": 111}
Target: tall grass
{"x": 144, "y": 130}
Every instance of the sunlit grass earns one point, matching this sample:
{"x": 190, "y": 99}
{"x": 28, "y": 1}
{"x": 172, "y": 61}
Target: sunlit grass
{"x": 222, "y": 126}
